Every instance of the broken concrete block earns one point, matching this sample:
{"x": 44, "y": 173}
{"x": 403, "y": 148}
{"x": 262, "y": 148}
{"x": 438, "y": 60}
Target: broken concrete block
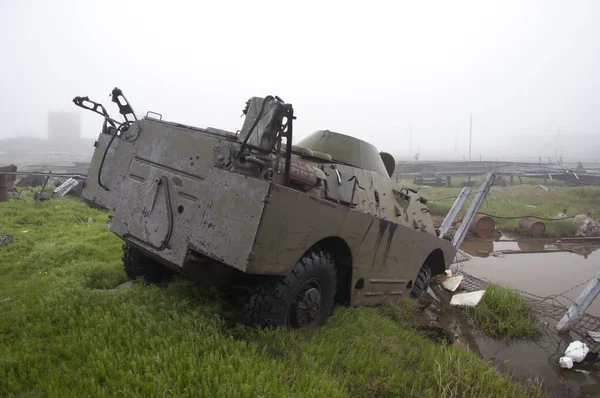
{"x": 452, "y": 283}
{"x": 470, "y": 299}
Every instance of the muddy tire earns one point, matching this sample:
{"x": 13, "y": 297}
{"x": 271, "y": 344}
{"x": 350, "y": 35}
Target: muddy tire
{"x": 421, "y": 283}
{"x": 138, "y": 265}
{"x": 303, "y": 299}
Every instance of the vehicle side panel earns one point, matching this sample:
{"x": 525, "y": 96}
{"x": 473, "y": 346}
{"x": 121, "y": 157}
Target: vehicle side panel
{"x": 385, "y": 255}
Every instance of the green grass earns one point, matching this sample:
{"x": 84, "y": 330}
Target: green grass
{"x": 522, "y": 200}
{"x": 61, "y": 338}
{"x": 504, "y": 313}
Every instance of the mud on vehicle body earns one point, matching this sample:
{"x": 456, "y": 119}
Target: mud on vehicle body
{"x": 301, "y": 226}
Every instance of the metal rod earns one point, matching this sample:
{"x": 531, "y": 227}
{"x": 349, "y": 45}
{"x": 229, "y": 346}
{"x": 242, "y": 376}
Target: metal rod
{"x": 39, "y": 173}
{"x": 580, "y": 305}
{"x": 410, "y": 139}
{"x": 451, "y": 216}
{"x": 482, "y": 192}
{"x": 470, "y": 134}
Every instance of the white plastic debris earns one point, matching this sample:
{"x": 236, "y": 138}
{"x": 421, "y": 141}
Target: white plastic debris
{"x": 544, "y": 188}
{"x": 448, "y": 273}
{"x": 577, "y": 351}
{"x": 594, "y": 335}
{"x": 470, "y": 299}
{"x": 452, "y": 283}
{"x": 565, "y": 362}
{"x": 587, "y": 372}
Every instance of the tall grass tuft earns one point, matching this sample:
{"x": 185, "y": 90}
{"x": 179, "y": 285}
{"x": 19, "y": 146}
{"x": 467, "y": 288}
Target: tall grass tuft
{"x": 503, "y": 312}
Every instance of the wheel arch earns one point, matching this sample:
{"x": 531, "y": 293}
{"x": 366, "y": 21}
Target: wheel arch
{"x": 343, "y": 259}
{"x": 436, "y": 262}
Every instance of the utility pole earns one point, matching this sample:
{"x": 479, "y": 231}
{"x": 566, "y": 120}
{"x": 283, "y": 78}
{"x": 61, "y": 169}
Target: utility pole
{"x": 556, "y": 147}
{"x": 561, "y": 153}
{"x": 470, "y": 135}
{"x": 456, "y": 142}
{"x": 410, "y": 138}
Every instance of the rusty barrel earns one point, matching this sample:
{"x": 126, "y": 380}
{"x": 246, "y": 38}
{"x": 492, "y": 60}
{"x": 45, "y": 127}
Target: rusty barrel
{"x": 483, "y": 226}
{"x": 535, "y": 227}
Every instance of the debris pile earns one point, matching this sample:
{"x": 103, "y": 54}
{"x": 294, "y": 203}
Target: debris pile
{"x": 586, "y": 225}
{"x": 5, "y": 240}
{"x": 450, "y": 284}
{"x": 577, "y": 353}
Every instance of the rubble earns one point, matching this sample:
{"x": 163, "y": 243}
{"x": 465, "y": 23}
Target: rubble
{"x": 586, "y": 225}
{"x": 595, "y": 336}
{"x": 576, "y": 351}
{"x": 452, "y": 282}
{"x": 470, "y": 299}
{"x": 5, "y": 240}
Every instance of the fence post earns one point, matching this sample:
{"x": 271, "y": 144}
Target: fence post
{"x": 581, "y": 304}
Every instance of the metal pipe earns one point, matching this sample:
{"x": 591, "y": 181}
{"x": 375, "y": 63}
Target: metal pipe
{"x": 39, "y": 173}
{"x": 482, "y": 192}
{"x": 451, "y": 216}
{"x": 582, "y": 303}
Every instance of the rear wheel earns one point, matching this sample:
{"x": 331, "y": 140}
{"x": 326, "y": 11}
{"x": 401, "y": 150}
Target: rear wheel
{"x": 138, "y": 265}
{"x": 421, "y": 283}
{"x": 302, "y": 299}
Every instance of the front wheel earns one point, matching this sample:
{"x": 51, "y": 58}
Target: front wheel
{"x": 302, "y": 299}
{"x": 421, "y": 283}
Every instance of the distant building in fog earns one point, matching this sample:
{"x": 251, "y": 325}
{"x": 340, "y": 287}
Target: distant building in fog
{"x": 64, "y": 126}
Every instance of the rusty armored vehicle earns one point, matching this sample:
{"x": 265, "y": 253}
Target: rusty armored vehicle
{"x": 301, "y": 226}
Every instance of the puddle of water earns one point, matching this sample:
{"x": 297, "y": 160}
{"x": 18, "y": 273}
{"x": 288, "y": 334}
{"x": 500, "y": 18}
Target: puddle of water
{"x": 523, "y": 359}
{"x": 542, "y": 274}
{"x": 539, "y": 361}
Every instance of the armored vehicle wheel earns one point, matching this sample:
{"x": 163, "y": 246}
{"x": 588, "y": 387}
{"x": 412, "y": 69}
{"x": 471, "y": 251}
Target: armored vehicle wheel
{"x": 421, "y": 283}
{"x": 136, "y": 264}
{"x": 304, "y": 298}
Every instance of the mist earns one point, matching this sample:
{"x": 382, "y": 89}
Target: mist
{"x": 405, "y": 76}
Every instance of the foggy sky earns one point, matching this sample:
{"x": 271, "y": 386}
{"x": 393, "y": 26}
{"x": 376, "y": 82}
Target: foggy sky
{"x": 524, "y": 69}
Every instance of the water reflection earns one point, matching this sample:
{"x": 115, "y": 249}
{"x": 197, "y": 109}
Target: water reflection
{"x": 483, "y": 248}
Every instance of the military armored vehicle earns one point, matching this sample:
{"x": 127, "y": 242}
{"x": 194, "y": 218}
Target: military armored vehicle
{"x": 301, "y": 226}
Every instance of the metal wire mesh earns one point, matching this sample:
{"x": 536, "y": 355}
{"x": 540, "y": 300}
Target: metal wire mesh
{"x": 543, "y": 307}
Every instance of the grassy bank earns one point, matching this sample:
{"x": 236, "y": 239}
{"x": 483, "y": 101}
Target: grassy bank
{"x": 504, "y": 312}
{"x": 61, "y": 337}
{"x": 522, "y": 200}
